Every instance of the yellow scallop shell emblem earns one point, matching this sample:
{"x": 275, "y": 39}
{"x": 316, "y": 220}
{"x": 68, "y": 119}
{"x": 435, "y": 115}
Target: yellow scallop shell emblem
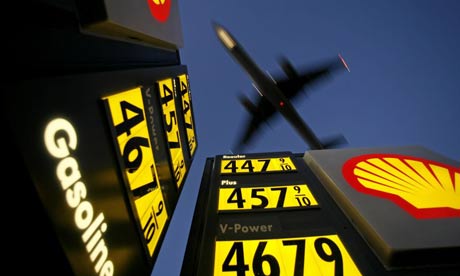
{"x": 423, "y": 188}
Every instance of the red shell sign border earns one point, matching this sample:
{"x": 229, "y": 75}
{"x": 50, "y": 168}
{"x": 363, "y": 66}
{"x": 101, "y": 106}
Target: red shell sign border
{"x": 425, "y": 189}
{"x": 160, "y": 9}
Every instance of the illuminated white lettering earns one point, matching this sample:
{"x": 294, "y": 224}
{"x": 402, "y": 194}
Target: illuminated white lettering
{"x": 107, "y": 269}
{"x": 60, "y": 139}
{"x": 90, "y": 245}
{"x": 67, "y": 172}
{"x": 223, "y": 228}
{"x": 74, "y": 195}
{"x": 57, "y": 147}
{"x": 83, "y": 215}
{"x": 102, "y": 251}
{"x": 238, "y": 228}
{"x": 90, "y": 231}
{"x": 233, "y": 156}
{"x": 227, "y": 182}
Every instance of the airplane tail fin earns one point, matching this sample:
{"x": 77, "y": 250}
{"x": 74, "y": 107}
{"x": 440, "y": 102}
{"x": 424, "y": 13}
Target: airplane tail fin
{"x": 247, "y": 104}
{"x": 334, "y": 142}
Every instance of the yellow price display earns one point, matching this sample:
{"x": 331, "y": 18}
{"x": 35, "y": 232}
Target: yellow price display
{"x": 168, "y": 106}
{"x": 273, "y": 197}
{"x": 317, "y": 255}
{"x": 187, "y": 110}
{"x": 130, "y": 127}
{"x": 257, "y": 165}
{"x": 153, "y": 217}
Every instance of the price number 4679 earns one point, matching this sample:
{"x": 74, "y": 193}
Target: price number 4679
{"x": 286, "y": 257}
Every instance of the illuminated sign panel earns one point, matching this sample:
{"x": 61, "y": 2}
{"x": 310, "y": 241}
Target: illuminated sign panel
{"x": 237, "y": 166}
{"x": 160, "y": 9}
{"x": 152, "y": 21}
{"x": 153, "y": 217}
{"x": 264, "y": 217}
{"x": 317, "y": 255}
{"x": 403, "y": 200}
{"x": 273, "y": 197}
{"x": 99, "y": 167}
{"x": 184, "y": 90}
{"x": 69, "y": 174}
{"x": 252, "y": 217}
{"x": 168, "y": 104}
{"x": 424, "y": 188}
{"x": 128, "y": 120}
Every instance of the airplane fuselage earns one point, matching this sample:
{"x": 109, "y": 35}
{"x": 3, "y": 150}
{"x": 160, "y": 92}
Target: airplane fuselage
{"x": 266, "y": 86}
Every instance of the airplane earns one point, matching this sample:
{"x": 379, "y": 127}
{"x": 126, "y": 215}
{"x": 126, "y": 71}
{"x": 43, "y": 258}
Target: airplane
{"x": 276, "y": 94}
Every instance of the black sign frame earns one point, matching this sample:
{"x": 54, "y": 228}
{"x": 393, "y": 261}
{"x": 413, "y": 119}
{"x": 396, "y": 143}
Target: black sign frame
{"x": 326, "y": 220}
{"x": 77, "y": 100}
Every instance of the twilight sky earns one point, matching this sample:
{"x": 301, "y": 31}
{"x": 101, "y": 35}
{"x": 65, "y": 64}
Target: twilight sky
{"x": 403, "y": 88}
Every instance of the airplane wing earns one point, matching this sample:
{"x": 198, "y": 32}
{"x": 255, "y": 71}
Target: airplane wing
{"x": 290, "y": 86}
{"x": 277, "y": 95}
{"x": 265, "y": 109}
{"x": 260, "y": 113}
{"x": 291, "y": 115}
{"x": 297, "y": 81}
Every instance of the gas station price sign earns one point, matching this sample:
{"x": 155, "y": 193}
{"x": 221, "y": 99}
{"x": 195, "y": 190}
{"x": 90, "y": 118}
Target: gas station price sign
{"x": 99, "y": 173}
{"x": 265, "y": 197}
{"x": 265, "y": 214}
{"x": 184, "y": 90}
{"x": 168, "y": 106}
{"x": 257, "y": 165}
{"x": 127, "y": 114}
{"x": 281, "y": 213}
{"x": 306, "y": 255}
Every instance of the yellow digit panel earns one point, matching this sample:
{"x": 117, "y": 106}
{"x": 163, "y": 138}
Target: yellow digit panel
{"x": 127, "y": 113}
{"x": 318, "y": 255}
{"x": 133, "y": 140}
{"x": 257, "y": 165}
{"x": 172, "y": 129}
{"x": 153, "y": 216}
{"x": 273, "y": 197}
{"x": 188, "y": 115}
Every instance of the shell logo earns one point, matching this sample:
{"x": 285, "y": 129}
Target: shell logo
{"x": 425, "y": 189}
{"x": 160, "y": 9}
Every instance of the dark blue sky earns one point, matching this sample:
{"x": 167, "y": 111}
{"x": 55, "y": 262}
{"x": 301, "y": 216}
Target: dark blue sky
{"x": 403, "y": 88}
